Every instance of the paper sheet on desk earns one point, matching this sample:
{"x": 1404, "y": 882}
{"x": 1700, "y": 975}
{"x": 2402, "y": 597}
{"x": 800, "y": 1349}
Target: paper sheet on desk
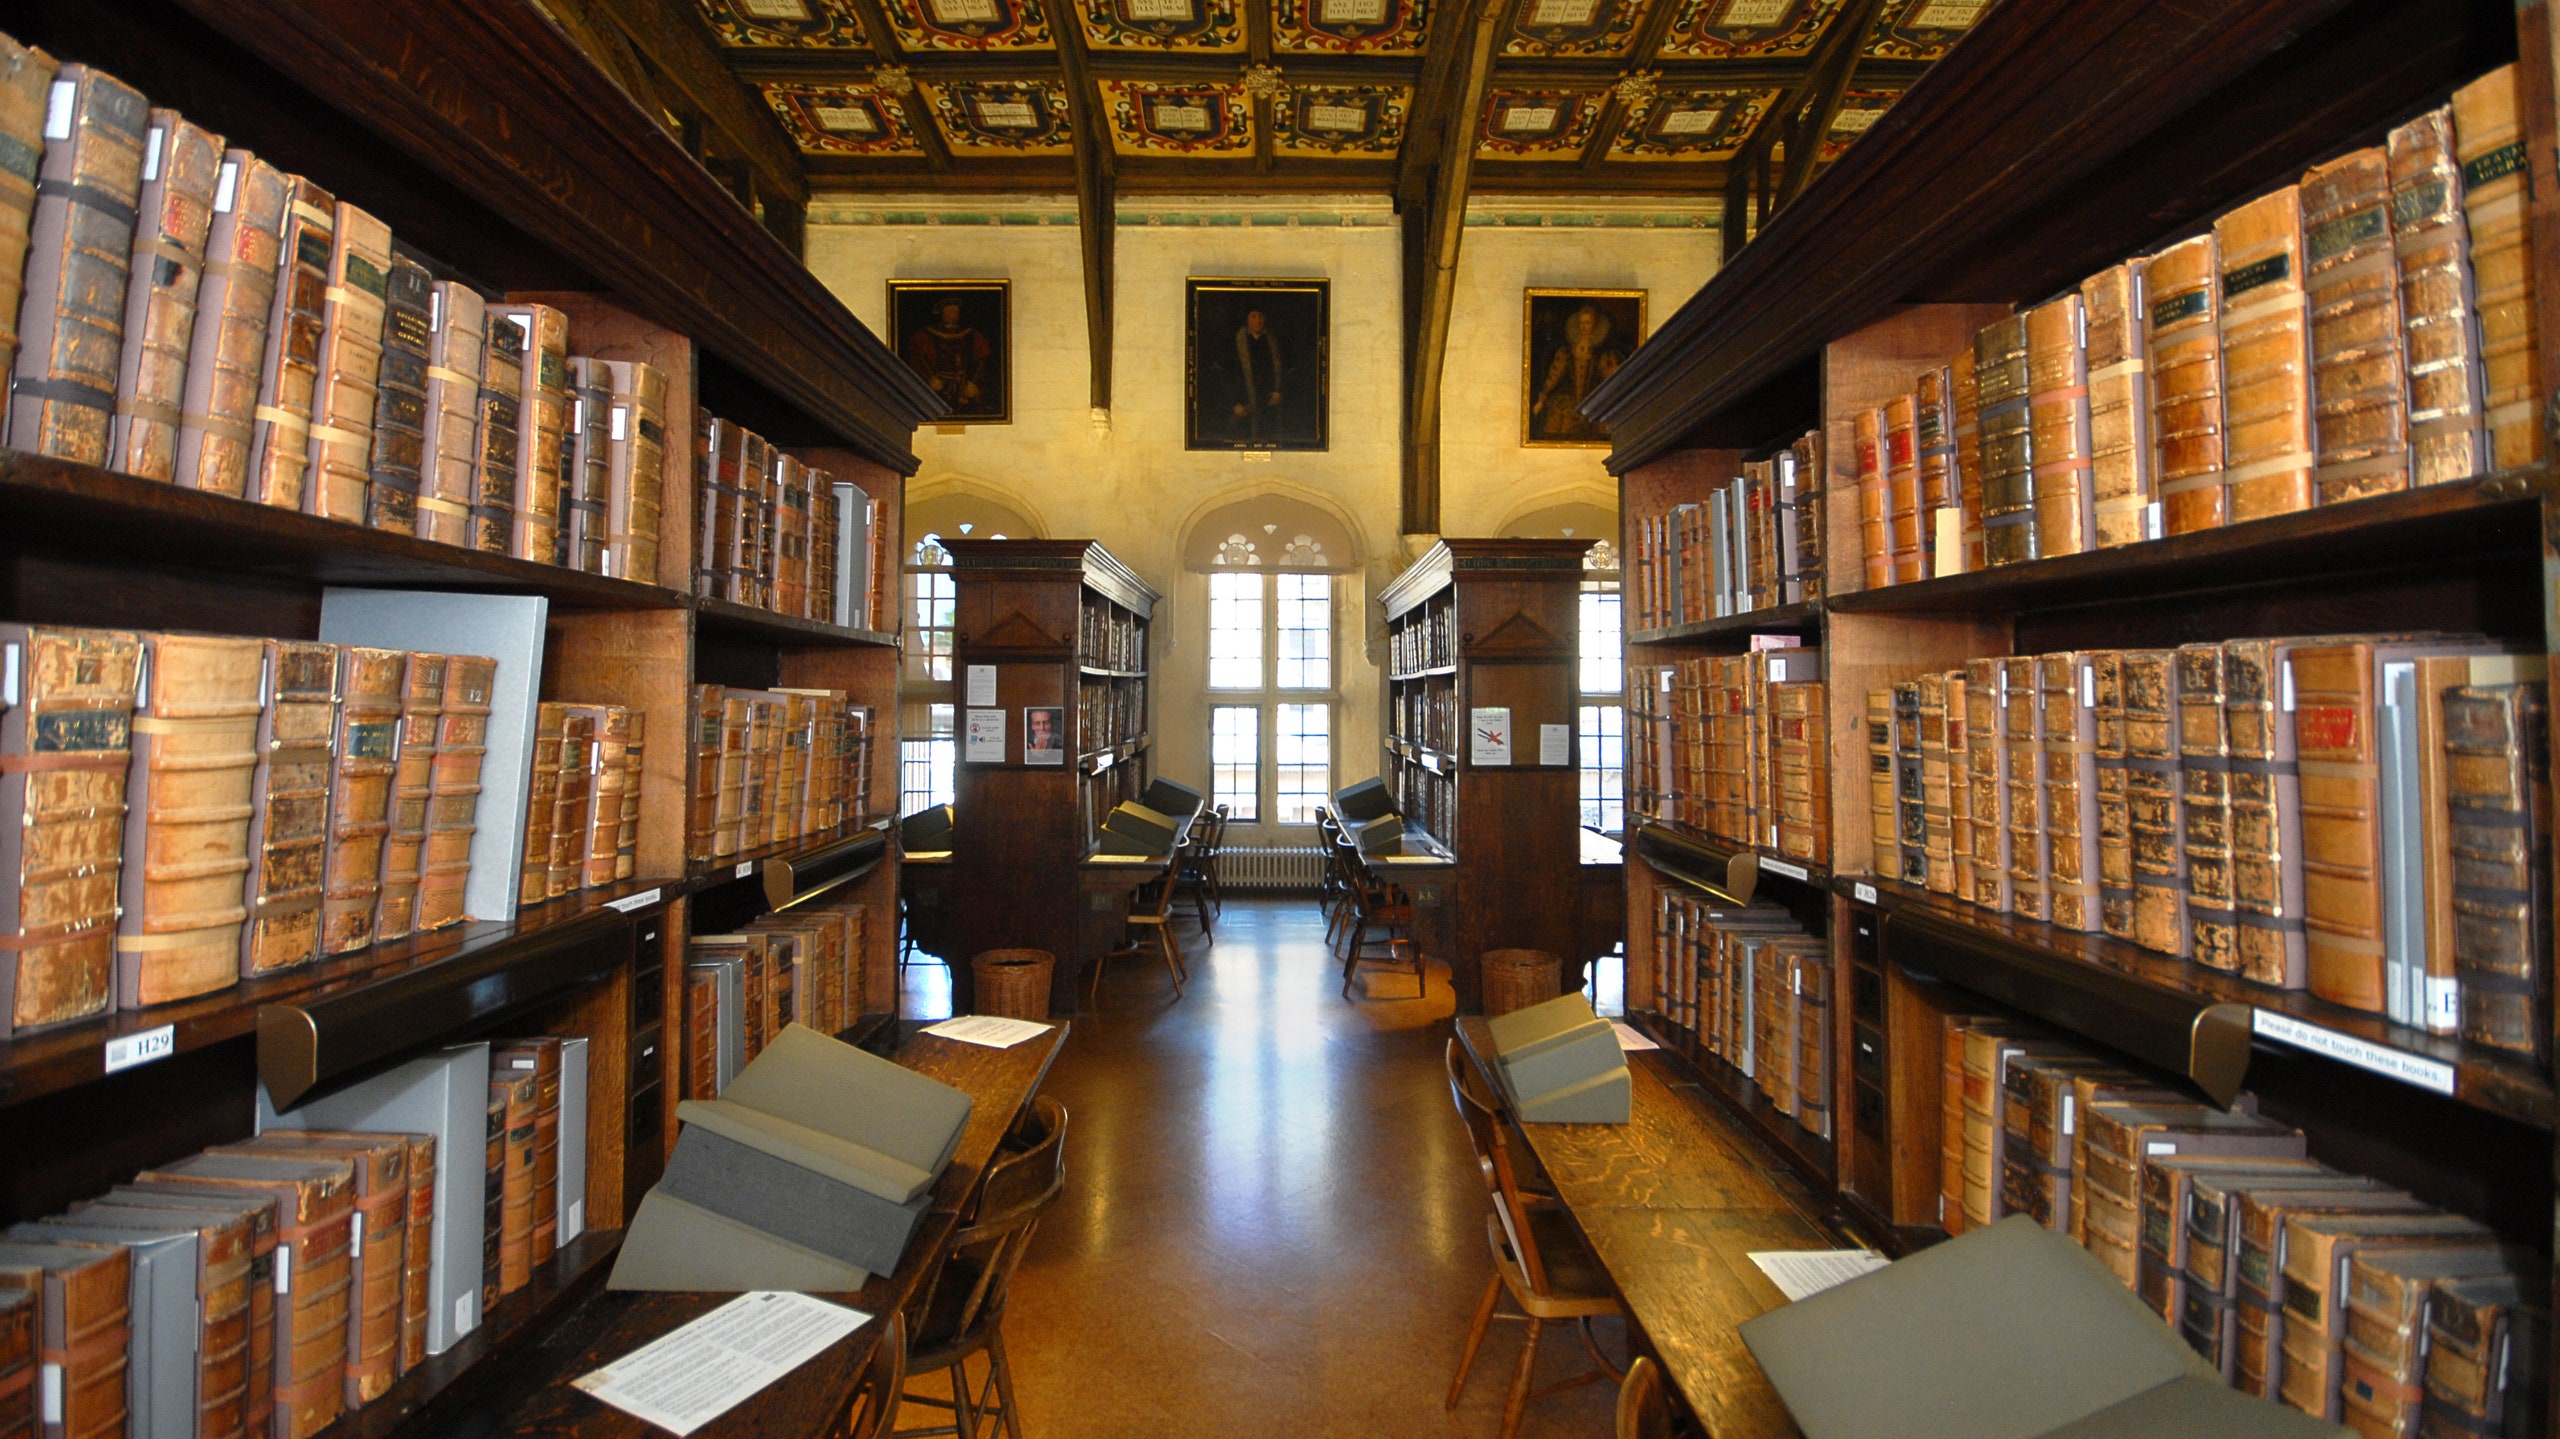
{"x": 1631, "y": 1038}
{"x": 693, "y": 1375}
{"x": 993, "y": 1031}
{"x": 1800, "y": 1272}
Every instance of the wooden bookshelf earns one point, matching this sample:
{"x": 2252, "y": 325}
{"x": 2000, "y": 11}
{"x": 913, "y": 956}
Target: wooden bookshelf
{"x": 1486, "y": 624}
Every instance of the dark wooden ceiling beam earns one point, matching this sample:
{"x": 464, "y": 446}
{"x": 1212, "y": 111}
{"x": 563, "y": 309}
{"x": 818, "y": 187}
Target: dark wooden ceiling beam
{"x": 1645, "y": 55}
{"x": 884, "y": 40}
{"x": 1097, "y": 221}
{"x": 1823, "y": 91}
{"x": 675, "y": 42}
{"x": 1441, "y": 225}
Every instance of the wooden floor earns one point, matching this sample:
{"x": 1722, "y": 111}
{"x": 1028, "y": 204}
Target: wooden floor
{"x": 1272, "y": 1225}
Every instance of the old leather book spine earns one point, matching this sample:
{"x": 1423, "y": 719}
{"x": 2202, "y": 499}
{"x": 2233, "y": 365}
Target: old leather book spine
{"x": 711, "y": 438}
{"x": 234, "y": 297}
{"x": 2426, "y": 934}
{"x": 1986, "y": 746}
{"x": 186, "y": 847}
{"x": 572, "y": 813}
{"x": 400, "y": 399}
{"x": 83, "y": 1325}
{"x": 18, "y": 1345}
{"x": 1911, "y": 816}
{"x": 453, "y": 791}
{"x": 2498, "y": 808}
{"x": 2059, "y": 425}
{"x": 296, "y": 751}
{"x": 2113, "y": 815}
{"x": 1875, "y": 500}
{"x": 2341, "y": 828}
{"x": 417, "y": 1252}
{"x": 2067, "y": 688}
{"x": 729, "y": 820}
{"x": 62, "y": 393}
{"x": 522, "y": 1092}
{"x": 350, "y": 366}
{"x": 377, "y": 1242}
{"x": 820, "y": 604}
{"x": 2006, "y": 443}
{"x": 1804, "y": 774}
{"x": 1951, "y": 1215}
{"x": 493, "y": 1216}
{"x": 2155, "y": 818}
{"x": 702, "y": 771}
{"x": 449, "y": 447}
{"x": 26, "y": 80}
{"x": 289, "y": 373}
{"x": 2359, "y": 375}
{"x": 1934, "y": 431}
{"x": 2022, "y": 734}
{"x": 626, "y": 835}
{"x": 2204, "y": 780}
{"x": 181, "y": 165}
{"x": 65, "y": 749}
{"x": 586, "y": 484}
{"x": 412, "y": 789}
{"x": 1936, "y": 810}
{"x": 2182, "y": 326}
{"x": 791, "y": 535}
{"x": 2448, "y": 435}
{"x": 2266, "y": 816}
{"x": 766, "y": 496}
{"x": 1964, "y": 418}
{"x": 542, "y": 394}
{"x": 370, "y": 685}
{"x": 1901, "y": 460}
{"x": 1959, "y": 788}
{"x": 636, "y": 497}
{"x": 608, "y": 780}
{"x": 702, "y": 1029}
{"x": 2485, "y": 1366}
{"x": 2489, "y": 141}
{"x": 498, "y": 472}
{"x": 542, "y": 799}
{"x": 539, "y": 1059}
{"x": 2266, "y": 358}
{"x": 2121, "y": 489}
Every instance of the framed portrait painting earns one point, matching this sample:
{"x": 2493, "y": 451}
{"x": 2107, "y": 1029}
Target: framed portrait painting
{"x": 958, "y": 336}
{"x": 1257, "y": 365}
{"x": 1571, "y": 340}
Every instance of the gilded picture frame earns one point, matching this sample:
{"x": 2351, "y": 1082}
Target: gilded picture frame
{"x": 1558, "y": 370}
{"x": 1235, "y": 326}
{"x": 957, "y": 335}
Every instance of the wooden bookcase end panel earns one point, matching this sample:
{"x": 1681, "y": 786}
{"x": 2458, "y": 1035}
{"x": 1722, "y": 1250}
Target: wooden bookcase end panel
{"x": 1863, "y": 652}
{"x": 1915, "y": 1071}
{"x": 601, "y": 1014}
{"x": 1643, "y": 892}
{"x": 599, "y": 328}
{"x": 879, "y": 894}
{"x": 638, "y": 658}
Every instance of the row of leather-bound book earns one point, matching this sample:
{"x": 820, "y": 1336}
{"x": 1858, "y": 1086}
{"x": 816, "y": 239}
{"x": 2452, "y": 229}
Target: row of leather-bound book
{"x": 259, "y": 1290}
{"x": 741, "y": 989}
{"x": 773, "y": 765}
{"x": 582, "y": 807}
{"x": 1753, "y": 988}
{"x": 780, "y": 535}
{"x": 1426, "y": 713}
{"x": 1420, "y": 639}
{"x": 1733, "y": 746}
{"x": 190, "y": 313}
{"x": 1110, "y": 712}
{"x": 186, "y": 811}
{"x": 2341, "y": 1296}
{"x": 1109, "y": 637}
{"x": 2365, "y": 331}
{"x": 2367, "y": 817}
{"x": 1754, "y": 543}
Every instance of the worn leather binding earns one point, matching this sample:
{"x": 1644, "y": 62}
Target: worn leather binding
{"x": 2258, "y": 1286}
{"x": 2318, "y": 1252}
{"x": 1987, "y": 750}
{"x": 826, "y": 516}
{"x": 181, "y": 167}
{"x": 417, "y": 1251}
{"x": 26, "y": 79}
{"x": 710, "y": 436}
{"x": 2204, "y": 798}
{"x": 572, "y": 823}
{"x": 702, "y": 1031}
{"x": 2022, "y": 735}
{"x": 766, "y": 563}
{"x": 234, "y": 297}
{"x": 791, "y": 535}
{"x": 2448, "y": 438}
{"x": 453, "y": 791}
{"x": 1875, "y": 500}
{"x": 607, "y": 783}
{"x": 1910, "y": 813}
{"x": 2154, "y": 813}
{"x": 636, "y": 460}
{"x": 1902, "y": 487}
{"x": 2121, "y": 488}
{"x": 520, "y": 1092}
{"x": 2059, "y": 423}
{"x": 2182, "y": 326}
{"x": 65, "y": 748}
{"x": 224, "y": 1268}
{"x": 400, "y": 399}
{"x": 626, "y": 839}
{"x": 2489, "y": 141}
{"x": 1959, "y": 788}
{"x": 2387, "y": 1296}
{"x": 2359, "y": 381}
{"x": 1951, "y": 1215}
{"x": 702, "y": 771}
{"x": 370, "y": 683}
{"x": 2266, "y": 358}
{"x": 745, "y": 468}
{"x": 18, "y": 1365}
{"x": 449, "y": 448}
{"x": 289, "y": 374}
{"x": 80, "y": 242}
{"x": 157, "y": 1206}
{"x": 586, "y": 478}
{"x": 2113, "y": 813}
{"x": 542, "y": 798}
{"x": 296, "y": 747}
{"x": 377, "y": 1268}
{"x": 1934, "y": 437}
{"x": 2333, "y": 727}
{"x": 2266, "y": 815}
{"x": 539, "y": 1058}
{"x": 412, "y": 790}
{"x": 2497, "y": 793}
{"x": 2067, "y": 688}
{"x": 2487, "y": 1367}
{"x": 541, "y": 387}
{"x": 186, "y": 846}
{"x": 493, "y": 1215}
{"x": 350, "y": 366}
{"x": 499, "y": 471}
{"x": 2426, "y": 932}
{"x": 83, "y": 1323}
{"x": 1964, "y": 418}
{"x": 2006, "y": 442}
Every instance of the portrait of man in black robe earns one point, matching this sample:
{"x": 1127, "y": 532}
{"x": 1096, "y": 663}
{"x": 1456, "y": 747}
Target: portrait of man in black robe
{"x": 1257, "y": 365}
{"x": 956, "y": 336}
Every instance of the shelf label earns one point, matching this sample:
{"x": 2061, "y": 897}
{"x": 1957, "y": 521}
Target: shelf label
{"x": 133, "y": 1049}
{"x": 746, "y": 869}
{"x": 633, "y": 902}
{"x": 1780, "y": 866}
{"x": 1863, "y": 893}
{"x": 2381, "y": 1059}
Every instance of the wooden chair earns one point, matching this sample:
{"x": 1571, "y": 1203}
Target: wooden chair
{"x": 1538, "y": 1256}
{"x": 1151, "y": 908}
{"x": 1197, "y": 865}
{"x": 1333, "y": 892}
{"x": 962, "y": 1315}
{"x": 1380, "y": 914}
{"x": 875, "y": 1403}
{"x": 1642, "y": 1411}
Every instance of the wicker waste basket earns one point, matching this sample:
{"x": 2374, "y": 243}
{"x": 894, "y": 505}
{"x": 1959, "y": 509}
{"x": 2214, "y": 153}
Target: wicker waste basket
{"x": 1518, "y": 978}
{"x": 1013, "y": 983}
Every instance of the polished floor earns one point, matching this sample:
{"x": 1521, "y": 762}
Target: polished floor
{"x": 1272, "y": 1225}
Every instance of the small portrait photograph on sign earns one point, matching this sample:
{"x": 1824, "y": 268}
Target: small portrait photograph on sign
{"x": 1044, "y": 735}
{"x": 1571, "y": 341}
{"x": 958, "y": 336}
{"x": 1257, "y": 366}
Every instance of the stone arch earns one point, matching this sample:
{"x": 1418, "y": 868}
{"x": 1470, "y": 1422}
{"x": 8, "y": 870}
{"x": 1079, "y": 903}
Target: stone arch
{"x": 1271, "y": 526}
{"x": 952, "y": 507}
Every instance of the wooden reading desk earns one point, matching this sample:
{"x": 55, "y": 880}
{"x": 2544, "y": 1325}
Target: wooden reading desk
{"x": 526, "y": 1390}
{"x": 1673, "y": 1202}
